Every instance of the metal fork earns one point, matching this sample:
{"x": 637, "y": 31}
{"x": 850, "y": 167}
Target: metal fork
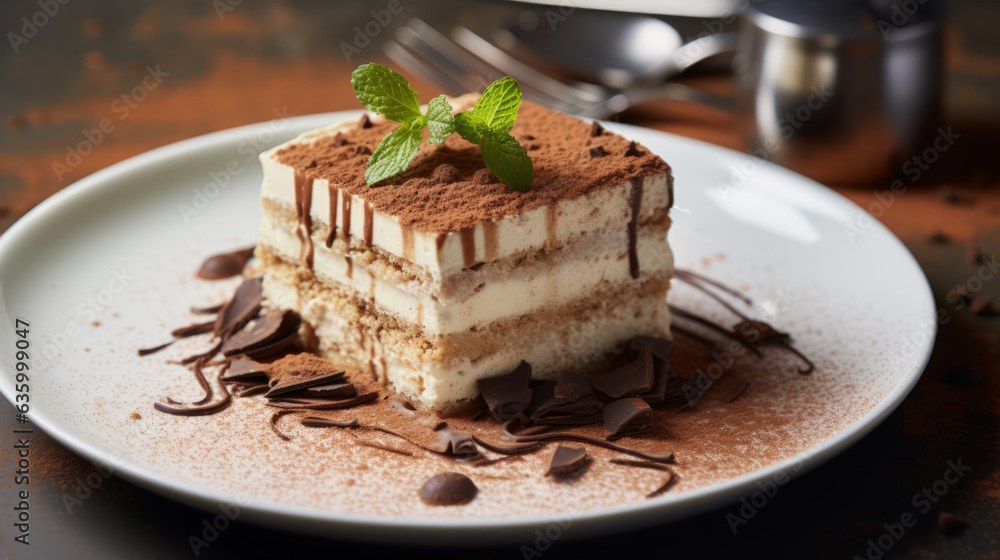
{"x": 470, "y": 63}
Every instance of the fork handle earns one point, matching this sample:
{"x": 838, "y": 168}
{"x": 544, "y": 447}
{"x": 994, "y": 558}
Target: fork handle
{"x": 668, "y": 90}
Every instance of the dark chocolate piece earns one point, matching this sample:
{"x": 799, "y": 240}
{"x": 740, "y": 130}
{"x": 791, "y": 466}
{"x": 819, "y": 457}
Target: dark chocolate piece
{"x": 566, "y": 460}
{"x": 507, "y": 395}
{"x": 950, "y": 524}
{"x": 274, "y": 327}
{"x": 546, "y": 408}
{"x": 331, "y": 391}
{"x": 456, "y": 442}
{"x": 627, "y": 416}
{"x": 632, "y": 379}
{"x": 657, "y": 394}
{"x": 243, "y": 368}
{"x": 290, "y": 382}
{"x": 239, "y": 310}
{"x": 225, "y": 265}
{"x": 448, "y": 489}
{"x": 572, "y": 387}
{"x": 596, "y": 129}
{"x": 660, "y": 347}
{"x": 365, "y": 122}
{"x": 154, "y": 349}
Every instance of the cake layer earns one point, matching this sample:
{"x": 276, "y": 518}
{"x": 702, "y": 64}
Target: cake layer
{"x": 440, "y": 371}
{"x": 477, "y": 296}
{"x": 445, "y": 214}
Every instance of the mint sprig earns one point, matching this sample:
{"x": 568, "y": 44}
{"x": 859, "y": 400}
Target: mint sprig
{"x": 487, "y": 124}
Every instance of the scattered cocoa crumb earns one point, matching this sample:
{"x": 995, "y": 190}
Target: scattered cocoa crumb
{"x": 938, "y": 238}
{"x": 363, "y": 150}
{"x": 956, "y": 197}
{"x": 365, "y": 122}
{"x": 633, "y": 151}
{"x": 92, "y": 28}
{"x": 135, "y": 416}
{"x": 596, "y": 129}
{"x": 982, "y": 307}
{"x": 963, "y": 376}
{"x": 95, "y": 323}
{"x": 445, "y": 173}
{"x": 974, "y": 253}
{"x": 950, "y": 524}
{"x": 15, "y": 123}
{"x": 598, "y": 152}
{"x": 338, "y": 140}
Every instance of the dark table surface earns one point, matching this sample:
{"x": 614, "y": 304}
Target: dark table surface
{"x": 239, "y": 65}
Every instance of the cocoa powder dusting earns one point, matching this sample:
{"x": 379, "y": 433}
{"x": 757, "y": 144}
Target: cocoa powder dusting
{"x": 447, "y": 187}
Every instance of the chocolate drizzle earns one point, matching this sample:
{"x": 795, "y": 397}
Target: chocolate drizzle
{"x": 635, "y": 203}
{"x": 570, "y": 436}
{"x": 345, "y": 217}
{"x": 468, "y": 237}
{"x": 490, "y": 240}
{"x": 303, "y": 207}
{"x": 334, "y": 193}
{"x": 407, "y": 236}
{"x": 368, "y": 222}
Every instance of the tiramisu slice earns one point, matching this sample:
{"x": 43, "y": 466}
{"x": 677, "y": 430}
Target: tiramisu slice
{"x": 443, "y": 275}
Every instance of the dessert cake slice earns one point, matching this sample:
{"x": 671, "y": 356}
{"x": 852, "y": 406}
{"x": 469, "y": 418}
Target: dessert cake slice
{"x": 443, "y": 275}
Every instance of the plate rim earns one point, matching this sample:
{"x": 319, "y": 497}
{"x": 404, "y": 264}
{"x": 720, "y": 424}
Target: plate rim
{"x": 414, "y": 530}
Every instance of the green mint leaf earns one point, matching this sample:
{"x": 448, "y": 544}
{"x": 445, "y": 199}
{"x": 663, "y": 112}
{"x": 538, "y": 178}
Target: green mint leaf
{"x": 465, "y": 126}
{"x": 385, "y": 92}
{"x": 440, "y": 121}
{"x": 394, "y": 153}
{"x": 497, "y": 107}
{"x": 507, "y": 159}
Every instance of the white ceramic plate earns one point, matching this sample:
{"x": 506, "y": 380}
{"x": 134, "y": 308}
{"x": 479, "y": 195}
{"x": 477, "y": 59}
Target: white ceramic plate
{"x": 105, "y": 266}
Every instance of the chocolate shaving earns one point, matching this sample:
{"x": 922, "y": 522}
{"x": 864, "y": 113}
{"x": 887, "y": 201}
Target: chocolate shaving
{"x": 566, "y": 460}
{"x": 155, "y": 349}
{"x": 627, "y": 417}
{"x": 249, "y": 391}
{"x": 456, "y": 442}
{"x": 507, "y": 395}
{"x": 201, "y": 407}
{"x": 238, "y": 311}
{"x": 331, "y": 390}
{"x": 660, "y": 347}
{"x": 570, "y": 436}
{"x": 225, "y": 265}
{"x": 210, "y": 310}
{"x": 515, "y": 449}
{"x": 736, "y": 391}
{"x": 633, "y": 378}
{"x": 274, "y": 327}
{"x": 671, "y": 478}
{"x": 661, "y": 379}
{"x": 274, "y": 421}
{"x": 314, "y": 422}
{"x": 322, "y": 404}
{"x": 448, "y": 489}
{"x": 192, "y": 330}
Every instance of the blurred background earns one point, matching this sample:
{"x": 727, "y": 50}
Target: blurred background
{"x": 86, "y": 83}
